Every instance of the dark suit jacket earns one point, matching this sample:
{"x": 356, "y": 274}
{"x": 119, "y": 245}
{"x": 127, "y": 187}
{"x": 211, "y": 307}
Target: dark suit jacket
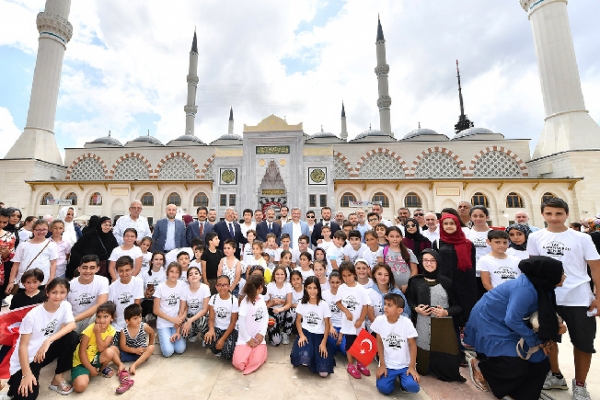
{"x": 159, "y": 236}
{"x": 222, "y": 231}
{"x": 316, "y": 233}
{"x": 193, "y": 231}
{"x": 262, "y": 229}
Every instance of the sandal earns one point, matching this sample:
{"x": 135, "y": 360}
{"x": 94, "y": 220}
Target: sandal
{"x": 363, "y": 369}
{"x": 126, "y": 382}
{"x": 351, "y": 368}
{"x": 63, "y": 388}
{"x": 108, "y": 372}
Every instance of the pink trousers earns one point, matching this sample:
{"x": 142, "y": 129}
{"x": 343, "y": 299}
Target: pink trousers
{"x": 248, "y": 359}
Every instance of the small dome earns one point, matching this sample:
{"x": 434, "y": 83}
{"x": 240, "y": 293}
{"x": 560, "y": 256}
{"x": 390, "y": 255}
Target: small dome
{"x": 187, "y": 138}
{"x": 107, "y": 140}
{"x": 419, "y": 132}
{"x": 230, "y": 136}
{"x": 371, "y": 132}
{"x": 147, "y": 139}
{"x": 472, "y": 131}
{"x": 322, "y": 134}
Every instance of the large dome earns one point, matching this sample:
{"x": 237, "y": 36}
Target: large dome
{"x": 472, "y": 132}
{"x": 108, "y": 141}
{"x": 230, "y": 136}
{"x": 371, "y": 133}
{"x": 147, "y": 139}
{"x": 322, "y": 134}
{"x": 419, "y": 132}
{"x": 187, "y": 138}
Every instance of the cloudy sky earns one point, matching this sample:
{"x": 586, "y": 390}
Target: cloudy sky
{"x": 125, "y": 68}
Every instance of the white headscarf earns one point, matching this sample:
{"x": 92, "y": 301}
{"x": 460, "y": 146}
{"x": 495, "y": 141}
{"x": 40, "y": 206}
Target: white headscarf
{"x": 69, "y": 235}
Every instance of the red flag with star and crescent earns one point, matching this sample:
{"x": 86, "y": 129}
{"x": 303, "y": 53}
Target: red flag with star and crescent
{"x": 9, "y": 334}
{"x": 364, "y": 347}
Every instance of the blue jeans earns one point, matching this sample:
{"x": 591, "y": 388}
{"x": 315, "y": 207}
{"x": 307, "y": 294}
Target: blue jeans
{"x": 385, "y": 384}
{"x": 167, "y": 347}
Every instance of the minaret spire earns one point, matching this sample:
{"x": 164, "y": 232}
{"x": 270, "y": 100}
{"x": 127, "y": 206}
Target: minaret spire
{"x": 37, "y": 140}
{"x": 463, "y": 120}
{"x": 344, "y": 134}
{"x": 192, "y": 80}
{"x": 381, "y": 70}
{"x": 230, "y": 130}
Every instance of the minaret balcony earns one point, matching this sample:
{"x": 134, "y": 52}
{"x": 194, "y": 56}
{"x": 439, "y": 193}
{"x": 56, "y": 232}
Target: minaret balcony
{"x": 382, "y": 69}
{"x": 54, "y": 26}
{"x": 384, "y": 102}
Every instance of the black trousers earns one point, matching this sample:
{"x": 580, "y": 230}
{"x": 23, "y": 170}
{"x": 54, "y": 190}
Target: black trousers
{"x": 62, "y": 350}
{"x": 513, "y": 376}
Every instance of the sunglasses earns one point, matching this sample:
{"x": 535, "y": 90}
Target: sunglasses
{"x": 310, "y": 216}
{"x": 411, "y": 226}
{"x": 418, "y": 214}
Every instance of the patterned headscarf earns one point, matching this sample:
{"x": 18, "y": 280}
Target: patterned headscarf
{"x": 526, "y": 231}
{"x": 594, "y": 224}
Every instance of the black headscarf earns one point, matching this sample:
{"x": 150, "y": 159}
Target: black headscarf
{"x": 416, "y": 237}
{"x": 544, "y": 273}
{"x": 12, "y": 227}
{"x": 91, "y": 225}
{"x": 435, "y": 254}
{"x": 526, "y": 231}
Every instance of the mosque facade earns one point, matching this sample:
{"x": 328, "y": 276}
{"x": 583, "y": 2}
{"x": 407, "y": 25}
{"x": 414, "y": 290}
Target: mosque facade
{"x": 276, "y": 163}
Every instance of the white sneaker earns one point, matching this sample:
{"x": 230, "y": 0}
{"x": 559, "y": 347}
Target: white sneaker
{"x": 553, "y": 382}
{"x": 580, "y": 392}
{"x": 5, "y": 396}
{"x": 193, "y": 339}
{"x": 285, "y": 338}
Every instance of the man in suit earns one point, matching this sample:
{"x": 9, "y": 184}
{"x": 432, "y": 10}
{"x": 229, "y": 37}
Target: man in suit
{"x": 169, "y": 233}
{"x": 230, "y": 229}
{"x": 316, "y": 236}
{"x": 295, "y": 227}
{"x": 198, "y": 229}
{"x": 283, "y": 216}
{"x": 269, "y": 226}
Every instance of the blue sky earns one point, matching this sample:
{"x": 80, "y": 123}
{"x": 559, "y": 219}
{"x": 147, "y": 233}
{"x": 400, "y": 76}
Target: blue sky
{"x": 125, "y": 68}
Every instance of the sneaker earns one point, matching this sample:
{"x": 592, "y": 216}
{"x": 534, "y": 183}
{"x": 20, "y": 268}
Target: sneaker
{"x": 553, "y": 382}
{"x": 285, "y": 338}
{"x": 192, "y": 339}
{"x": 580, "y": 392}
{"x": 351, "y": 368}
{"x": 363, "y": 370}
{"x": 5, "y": 396}
{"x": 4, "y": 303}
{"x": 477, "y": 376}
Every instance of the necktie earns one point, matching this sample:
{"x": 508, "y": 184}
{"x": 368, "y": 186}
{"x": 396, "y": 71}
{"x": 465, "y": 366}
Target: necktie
{"x": 201, "y": 228}
{"x": 231, "y": 230}
{"x": 270, "y": 228}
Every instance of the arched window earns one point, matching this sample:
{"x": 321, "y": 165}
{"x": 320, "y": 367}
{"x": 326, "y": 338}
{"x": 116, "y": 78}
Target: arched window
{"x": 174, "y": 198}
{"x": 382, "y": 198}
{"x": 47, "y": 199}
{"x": 547, "y": 196}
{"x": 201, "y": 200}
{"x": 412, "y": 200}
{"x": 479, "y": 199}
{"x": 346, "y": 199}
{"x": 96, "y": 199}
{"x": 73, "y": 197}
{"x": 513, "y": 200}
{"x": 147, "y": 199}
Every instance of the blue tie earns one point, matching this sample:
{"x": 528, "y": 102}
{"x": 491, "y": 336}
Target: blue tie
{"x": 231, "y": 230}
{"x": 270, "y": 228}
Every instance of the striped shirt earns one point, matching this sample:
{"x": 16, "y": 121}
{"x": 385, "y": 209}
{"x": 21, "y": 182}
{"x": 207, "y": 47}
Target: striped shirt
{"x": 139, "y": 340}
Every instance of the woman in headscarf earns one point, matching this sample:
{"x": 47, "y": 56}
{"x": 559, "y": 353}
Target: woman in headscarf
{"x": 72, "y": 233}
{"x": 14, "y": 217}
{"x": 100, "y": 242}
{"x": 433, "y": 301}
{"x": 498, "y": 324}
{"x": 414, "y": 239}
{"x": 517, "y": 244}
{"x": 8, "y": 243}
{"x": 91, "y": 225}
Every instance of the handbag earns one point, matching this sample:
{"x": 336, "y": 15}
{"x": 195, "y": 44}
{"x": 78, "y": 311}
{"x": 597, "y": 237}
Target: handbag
{"x": 15, "y": 287}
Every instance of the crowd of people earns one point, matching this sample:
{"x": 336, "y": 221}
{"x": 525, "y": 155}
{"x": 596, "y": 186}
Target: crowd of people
{"x": 437, "y": 291}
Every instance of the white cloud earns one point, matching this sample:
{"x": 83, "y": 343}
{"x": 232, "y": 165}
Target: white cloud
{"x": 9, "y": 132}
{"x": 131, "y": 58}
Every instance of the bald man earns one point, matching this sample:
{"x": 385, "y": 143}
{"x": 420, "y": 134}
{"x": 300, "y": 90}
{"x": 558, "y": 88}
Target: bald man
{"x": 169, "y": 233}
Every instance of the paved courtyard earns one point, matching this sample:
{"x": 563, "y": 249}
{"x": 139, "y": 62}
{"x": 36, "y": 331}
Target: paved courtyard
{"x": 197, "y": 374}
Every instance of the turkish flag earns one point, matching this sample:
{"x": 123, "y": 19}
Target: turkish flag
{"x": 9, "y": 334}
{"x": 364, "y": 348}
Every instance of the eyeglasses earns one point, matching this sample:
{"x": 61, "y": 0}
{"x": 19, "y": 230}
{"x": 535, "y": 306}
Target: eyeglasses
{"x": 418, "y": 214}
{"x": 429, "y": 261}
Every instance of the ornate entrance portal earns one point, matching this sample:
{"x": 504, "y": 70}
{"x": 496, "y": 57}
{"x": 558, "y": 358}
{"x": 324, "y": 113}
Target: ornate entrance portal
{"x": 272, "y": 190}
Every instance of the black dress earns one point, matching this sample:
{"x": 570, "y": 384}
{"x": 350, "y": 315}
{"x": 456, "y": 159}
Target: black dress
{"x": 464, "y": 284}
{"x": 437, "y": 344}
{"x": 92, "y": 242}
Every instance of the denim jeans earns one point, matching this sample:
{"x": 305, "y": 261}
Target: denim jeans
{"x": 166, "y": 346}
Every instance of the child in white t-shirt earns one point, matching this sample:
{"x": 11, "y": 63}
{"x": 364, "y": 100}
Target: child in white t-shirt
{"x": 63, "y": 247}
{"x": 362, "y": 273}
{"x": 87, "y": 292}
{"x": 126, "y": 290}
{"x": 517, "y": 240}
{"x": 153, "y": 276}
{"x": 194, "y": 304}
{"x": 279, "y": 302}
{"x": 396, "y": 346}
{"x": 128, "y": 248}
{"x": 336, "y": 339}
{"x": 352, "y": 300}
{"x": 222, "y": 318}
{"x": 335, "y": 253}
{"x": 312, "y": 349}
{"x": 354, "y": 249}
{"x": 498, "y": 267}
{"x": 320, "y": 270}
{"x": 373, "y": 253}
{"x": 304, "y": 265}
{"x": 326, "y": 242}
{"x": 169, "y": 313}
{"x": 145, "y": 245}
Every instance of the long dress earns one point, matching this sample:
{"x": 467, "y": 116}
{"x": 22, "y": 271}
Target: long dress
{"x": 437, "y": 344}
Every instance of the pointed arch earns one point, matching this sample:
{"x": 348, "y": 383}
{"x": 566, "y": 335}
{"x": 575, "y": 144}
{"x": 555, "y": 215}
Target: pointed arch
{"x": 381, "y": 156}
{"x": 207, "y": 167}
{"x": 87, "y": 167}
{"x": 341, "y": 166}
{"x": 498, "y": 152}
{"x": 131, "y": 166}
{"x": 180, "y": 158}
{"x": 446, "y": 164}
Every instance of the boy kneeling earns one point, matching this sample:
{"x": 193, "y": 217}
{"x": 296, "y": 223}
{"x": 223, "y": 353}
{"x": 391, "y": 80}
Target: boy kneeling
{"x": 396, "y": 346}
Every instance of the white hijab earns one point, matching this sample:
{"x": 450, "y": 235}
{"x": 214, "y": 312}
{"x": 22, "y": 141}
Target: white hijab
{"x": 69, "y": 235}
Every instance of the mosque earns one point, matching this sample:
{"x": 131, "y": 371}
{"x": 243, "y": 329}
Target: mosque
{"x": 274, "y": 162}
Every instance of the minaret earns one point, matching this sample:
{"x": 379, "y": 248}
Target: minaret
{"x": 381, "y": 70}
{"x": 344, "y": 134}
{"x": 463, "y": 120}
{"x": 37, "y": 140}
{"x": 230, "y": 130}
{"x": 192, "y": 79}
{"x": 568, "y": 125}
